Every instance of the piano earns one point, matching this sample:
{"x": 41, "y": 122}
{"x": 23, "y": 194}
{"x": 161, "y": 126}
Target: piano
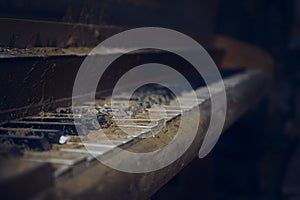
{"x": 42, "y": 46}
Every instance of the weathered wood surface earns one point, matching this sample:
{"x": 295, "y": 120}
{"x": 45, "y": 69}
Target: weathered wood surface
{"x": 192, "y": 15}
{"x": 42, "y": 78}
{"x": 22, "y": 179}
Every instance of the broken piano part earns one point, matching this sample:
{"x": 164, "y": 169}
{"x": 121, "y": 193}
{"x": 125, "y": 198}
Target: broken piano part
{"x": 40, "y": 146}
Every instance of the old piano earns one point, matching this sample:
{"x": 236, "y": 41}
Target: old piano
{"x": 43, "y": 44}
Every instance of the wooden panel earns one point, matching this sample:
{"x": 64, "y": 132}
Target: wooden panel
{"x": 240, "y": 54}
{"x": 193, "y": 15}
{"x": 21, "y": 179}
{"x": 18, "y": 33}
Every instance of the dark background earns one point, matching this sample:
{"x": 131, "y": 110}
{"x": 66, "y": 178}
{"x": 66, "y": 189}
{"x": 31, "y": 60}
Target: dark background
{"x": 258, "y": 157}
